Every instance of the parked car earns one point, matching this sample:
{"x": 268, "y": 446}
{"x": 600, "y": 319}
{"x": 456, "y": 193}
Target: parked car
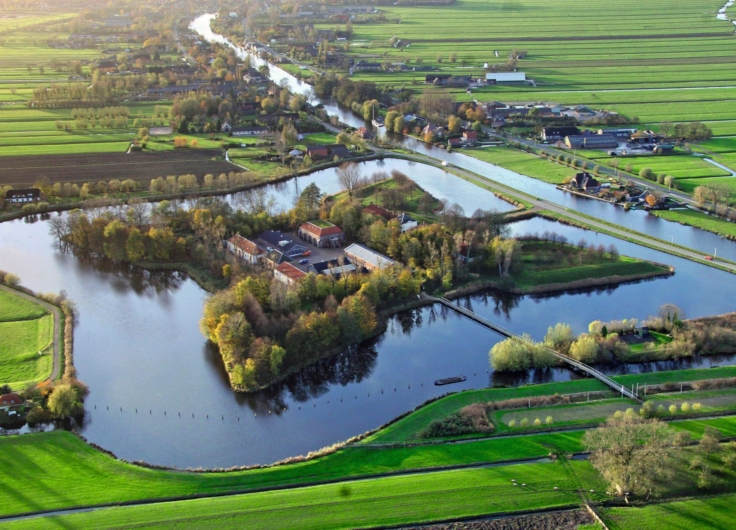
{"x": 303, "y": 262}
{"x": 709, "y": 258}
{"x": 307, "y": 253}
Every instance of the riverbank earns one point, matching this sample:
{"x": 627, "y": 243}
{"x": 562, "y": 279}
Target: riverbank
{"x": 701, "y": 220}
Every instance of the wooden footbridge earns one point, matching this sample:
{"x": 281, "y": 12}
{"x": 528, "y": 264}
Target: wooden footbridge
{"x": 618, "y": 388}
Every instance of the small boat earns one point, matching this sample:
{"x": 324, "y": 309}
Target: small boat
{"x": 377, "y": 122}
{"x": 450, "y": 380}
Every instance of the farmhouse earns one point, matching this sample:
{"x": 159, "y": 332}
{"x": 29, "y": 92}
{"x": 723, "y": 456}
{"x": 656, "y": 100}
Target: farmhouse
{"x": 288, "y": 273}
{"x": 368, "y": 259}
{"x": 470, "y": 137}
{"x": 245, "y": 249}
{"x": 552, "y": 134}
{"x": 23, "y": 196}
{"x": 10, "y": 401}
{"x": 584, "y": 181}
{"x": 493, "y": 78}
{"x": 322, "y": 234}
{"x": 320, "y": 152}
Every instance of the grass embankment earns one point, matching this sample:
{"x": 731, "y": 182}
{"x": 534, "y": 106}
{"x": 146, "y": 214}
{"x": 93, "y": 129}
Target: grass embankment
{"x": 409, "y": 427}
{"x": 26, "y": 339}
{"x": 386, "y": 501}
{"x": 707, "y": 513}
{"x": 700, "y": 220}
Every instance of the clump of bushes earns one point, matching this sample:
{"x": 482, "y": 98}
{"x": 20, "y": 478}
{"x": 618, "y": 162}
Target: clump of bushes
{"x": 470, "y": 419}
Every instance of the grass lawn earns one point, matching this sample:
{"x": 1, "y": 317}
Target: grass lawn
{"x": 26, "y": 329}
{"x": 522, "y": 162}
{"x": 700, "y": 220}
{"x": 707, "y": 513}
{"x": 384, "y": 501}
{"x": 372, "y": 194}
{"x": 688, "y": 185}
{"x": 549, "y": 263}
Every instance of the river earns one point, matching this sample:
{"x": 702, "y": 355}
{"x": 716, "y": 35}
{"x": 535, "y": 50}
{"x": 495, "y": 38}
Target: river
{"x": 638, "y": 220}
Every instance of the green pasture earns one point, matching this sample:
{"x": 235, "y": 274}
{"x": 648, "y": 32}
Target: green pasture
{"x": 522, "y": 162}
{"x": 688, "y": 185}
{"x": 26, "y": 336}
{"x": 385, "y": 501}
{"x": 624, "y": 266}
{"x": 708, "y": 513}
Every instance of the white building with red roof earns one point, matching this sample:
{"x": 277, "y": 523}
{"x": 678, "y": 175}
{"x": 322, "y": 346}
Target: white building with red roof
{"x": 288, "y": 273}
{"x": 322, "y": 234}
{"x": 245, "y": 249}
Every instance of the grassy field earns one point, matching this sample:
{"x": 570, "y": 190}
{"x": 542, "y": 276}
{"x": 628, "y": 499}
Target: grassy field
{"x": 386, "y": 501}
{"x": 26, "y": 336}
{"x": 699, "y": 220}
{"x": 522, "y": 162}
{"x": 714, "y": 513}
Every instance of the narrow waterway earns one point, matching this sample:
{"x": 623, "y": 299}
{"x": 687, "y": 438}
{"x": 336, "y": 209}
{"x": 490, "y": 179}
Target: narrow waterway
{"x": 641, "y": 221}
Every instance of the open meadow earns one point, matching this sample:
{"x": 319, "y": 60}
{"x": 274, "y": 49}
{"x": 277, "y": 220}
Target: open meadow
{"x": 26, "y": 336}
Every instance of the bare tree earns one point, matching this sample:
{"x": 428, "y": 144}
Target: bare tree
{"x": 631, "y": 453}
{"x": 348, "y": 175}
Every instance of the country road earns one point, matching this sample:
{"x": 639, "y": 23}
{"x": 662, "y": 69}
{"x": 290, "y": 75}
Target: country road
{"x": 612, "y": 229}
{"x": 57, "y": 327}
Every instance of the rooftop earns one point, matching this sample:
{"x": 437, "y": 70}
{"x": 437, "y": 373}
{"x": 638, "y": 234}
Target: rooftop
{"x": 367, "y": 255}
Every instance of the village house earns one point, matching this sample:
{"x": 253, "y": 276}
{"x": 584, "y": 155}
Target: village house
{"x": 470, "y": 137}
{"x": 288, "y": 273}
{"x": 406, "y": 222}
{"x": 245, "y": 249}
{"x": 369, "y": 259}
{"x": 11, "y": 401}
{"x": 333, "y": 267}
{"x": 321, "y": 152}
{"x": 279, "y": 247}
{"x": 364, "y": 133}
{"x": 454, "y": 142}
{"x": 584, "y": 181}
{"x": 437, "y": 131}
{"x": 322, "y": 234}
{"x": 23, "y": 196}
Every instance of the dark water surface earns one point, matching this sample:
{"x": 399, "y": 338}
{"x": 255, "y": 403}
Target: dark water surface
{"x": 137, "y": 345}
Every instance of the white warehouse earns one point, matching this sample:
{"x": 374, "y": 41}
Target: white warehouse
{"x": 505, "y": 77}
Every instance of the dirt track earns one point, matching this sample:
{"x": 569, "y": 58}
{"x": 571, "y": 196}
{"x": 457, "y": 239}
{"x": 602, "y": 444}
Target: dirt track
{"x": 25, "y": 170}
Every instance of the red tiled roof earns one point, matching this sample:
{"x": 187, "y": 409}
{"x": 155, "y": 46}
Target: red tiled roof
{"x": 470, "y": 135}
{"x": 246, "y": 245}
{"x": 377, "y": 210}
{"x": 10, "y": 399}
{"x": 321, "y": 232}
{"x": 288, "y": 270}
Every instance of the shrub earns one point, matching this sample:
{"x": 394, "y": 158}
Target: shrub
{"x": 697, "y": 407}
{"x": 549, "y": 420}
{"x": 537, "y": 422}
{"x": 685, "y": 407}
{"x": 512, "y": 423}
{"x": 11, "y": 279}
{"x": 660, "y": 410}
{"x": 524, "y": 423}
{"x": 673, "y": 408}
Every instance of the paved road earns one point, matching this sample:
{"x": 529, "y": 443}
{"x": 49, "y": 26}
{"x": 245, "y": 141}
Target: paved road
{"x": 588, "y": 221}
{"x": 57, "y": 327}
